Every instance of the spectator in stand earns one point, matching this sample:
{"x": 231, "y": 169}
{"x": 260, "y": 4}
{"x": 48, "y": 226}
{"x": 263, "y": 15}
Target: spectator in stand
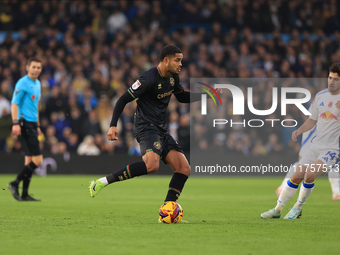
{"x": 55, "y": 103}
{"x": 72, "y": 142}
{"x": 60, "y": 122}
{"x": 91, "y": 125}
{"x": 87, "y": 101}
{"x": 116, "y": 21}
{"x": 87, "y": 147}
{"x": 76, "y": 120}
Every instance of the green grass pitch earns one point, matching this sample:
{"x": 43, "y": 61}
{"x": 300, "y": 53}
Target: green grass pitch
{"x": 224, "y": 216}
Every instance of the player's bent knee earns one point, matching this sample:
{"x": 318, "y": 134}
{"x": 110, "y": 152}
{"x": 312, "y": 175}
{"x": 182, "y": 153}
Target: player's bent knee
{"x": 151, "y": 160}
{"x": 152, "y": 167}
{"x": 38, "y": 163}
{"x": 184, "y": 170}
{"x": 37, "y": 160}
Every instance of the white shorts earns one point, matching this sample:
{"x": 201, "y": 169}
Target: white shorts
{"x": 329, "y": 158}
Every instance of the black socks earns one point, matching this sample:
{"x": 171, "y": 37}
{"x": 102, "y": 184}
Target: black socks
{"x": 25, "y": 176}
{"x": 175, "y": 187}
{"x": 26, "y": 183}
{"x": 128, "y": 172}
{"x": 26, "y": 172}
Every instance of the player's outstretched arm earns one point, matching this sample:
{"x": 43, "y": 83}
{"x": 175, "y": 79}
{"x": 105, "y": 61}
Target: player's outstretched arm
{"x": 119, "y": 107}
{"x": 184, "y": 97}
{"x": 190, "y": 97}
{"x": 309, "y": 124}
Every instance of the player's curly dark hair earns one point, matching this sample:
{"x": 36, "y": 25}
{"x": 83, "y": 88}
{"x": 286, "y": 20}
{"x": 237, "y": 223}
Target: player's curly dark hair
{"x": 169, "y": 50}
{"x": 335, "y": 68}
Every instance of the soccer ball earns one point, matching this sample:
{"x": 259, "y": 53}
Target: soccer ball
{"x": 170, "y": 212}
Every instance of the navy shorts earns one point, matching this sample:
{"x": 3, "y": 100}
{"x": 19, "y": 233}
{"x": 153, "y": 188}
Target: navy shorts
{"x": 29, "y": 138}
{"x": 151, "y": 138}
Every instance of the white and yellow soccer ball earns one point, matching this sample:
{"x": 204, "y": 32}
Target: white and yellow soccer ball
{"x": 170, "y": 212}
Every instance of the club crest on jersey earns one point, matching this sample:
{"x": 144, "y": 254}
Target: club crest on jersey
{"x": 159, "y": 86}
{"x": 136, "y": 85}
{"x": 157, "y": 145}
{"x": 330, "y": 104}
{"x": 172, "y": 81}
{"x": 33, "y": 97}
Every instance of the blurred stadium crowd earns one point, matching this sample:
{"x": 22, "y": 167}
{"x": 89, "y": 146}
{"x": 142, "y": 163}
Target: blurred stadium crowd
{"x": 93, "y": 51}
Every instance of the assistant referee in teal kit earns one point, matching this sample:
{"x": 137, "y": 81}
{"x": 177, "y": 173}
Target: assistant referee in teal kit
{"x": 25, "y": 117}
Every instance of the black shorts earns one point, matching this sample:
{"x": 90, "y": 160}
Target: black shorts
{"x": 151, "y": 138}
{"x": 29, "y": 138}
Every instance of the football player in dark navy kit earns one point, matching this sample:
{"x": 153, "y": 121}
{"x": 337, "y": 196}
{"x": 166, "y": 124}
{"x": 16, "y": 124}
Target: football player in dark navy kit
{"x": 25, "y": 117}
{"x": 153, "y": 90}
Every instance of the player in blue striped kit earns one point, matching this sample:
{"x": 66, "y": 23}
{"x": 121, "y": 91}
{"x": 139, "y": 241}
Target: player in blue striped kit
{"x": 322, "y": 154}
{"x": 25, "y": 117}
{"x": 333, "y": 175}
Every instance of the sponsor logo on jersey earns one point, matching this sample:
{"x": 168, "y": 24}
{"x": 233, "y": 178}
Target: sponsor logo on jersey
{"x": 136, "y": 85}
{"x": 169, "y": 93}
{"x": 328, "y": 116}
{"x": 321, "y": 104}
